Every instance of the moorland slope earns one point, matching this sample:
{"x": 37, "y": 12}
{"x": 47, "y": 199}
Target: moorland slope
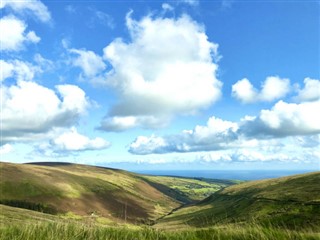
{"x": 292, "y": 202}
{"x": 81, "y": 190}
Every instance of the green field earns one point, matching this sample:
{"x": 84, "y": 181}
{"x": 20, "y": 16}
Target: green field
{"x": 293, "y": 202}
{"x": 67, "y": 201}
{"x": 187, "y": 190}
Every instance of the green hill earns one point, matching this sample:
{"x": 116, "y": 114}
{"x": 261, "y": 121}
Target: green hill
{"x": 78, "y": 191}
{"x": 88, "y": 202}
{"x": 292, "y": 202}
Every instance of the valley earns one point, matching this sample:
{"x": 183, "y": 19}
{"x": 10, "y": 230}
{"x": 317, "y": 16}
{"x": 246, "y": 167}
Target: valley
{"x": 104, "y": 203}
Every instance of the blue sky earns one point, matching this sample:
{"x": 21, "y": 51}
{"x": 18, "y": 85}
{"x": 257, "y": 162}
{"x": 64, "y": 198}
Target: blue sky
{"x": 161, "y": 84}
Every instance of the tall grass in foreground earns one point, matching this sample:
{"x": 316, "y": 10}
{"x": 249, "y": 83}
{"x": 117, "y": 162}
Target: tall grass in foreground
{"x": 66, "y": 231}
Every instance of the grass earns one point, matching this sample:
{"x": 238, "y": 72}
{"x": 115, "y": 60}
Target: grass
{"x": 99, "y": 203}
{"x": 22, "y": 224}
{"x": 291, "y": 201}
{"x": 64, "y": 231}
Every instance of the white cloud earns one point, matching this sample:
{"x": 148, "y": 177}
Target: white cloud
{"x": 21, "y": 71}
{"x": 45, "y": 64}
{"x": 90, "y": 63}
{"x": 289, "y": 152}
{"x": 283, "y": 120}
{"x": 311, "y": 90}
{"x": 73, "y": 141}
{"x": 31, "y": 7}
{"x": 216, "y": 135}
{"x": 62, "y": 142}
{"x": 32, "y": 37}
{"x": 219, "y": 156}
{"x": 167, "y": 7}
{"x": 146, "y": 145}
{"x": 162, "y": 75}
{"x": 245, "y": 155}
{"x": 244, "y": 91}
{"x": 13, "y": 35}
{"x": 272, "y": 88}
{"x": 5, "y": 149}
{"x": 29, "y": 110}
{"x": 6, "y": 70}
{"x": 118, "y": 124}
{"x": 215, "y": 128}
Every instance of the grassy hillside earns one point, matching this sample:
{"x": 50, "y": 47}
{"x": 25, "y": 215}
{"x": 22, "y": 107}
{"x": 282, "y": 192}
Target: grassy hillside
{"x": 293, "y": 202}
{"x": 21, "y": 224}
{"x": 284, "y": 208}
{"x": 81, "y": 191}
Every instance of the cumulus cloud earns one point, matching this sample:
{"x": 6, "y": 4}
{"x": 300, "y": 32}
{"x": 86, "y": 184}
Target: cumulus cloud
{"x": 146, "y": 145}
{"x": 68, "y": 141}
{"x": 6, "y": 70}
{"x": 160, "y": 75}
{"x": 272, "y": 88}
{"x": 244, "y": 91}
{"x": 14, "y": 35}
{"x": 29, "y": 110}
{"x": 29, "y": 7}
{"x": 63, "y": 142}
{"x": 5, "y": 149}
{"x": 73, "y": 141}
{"x": 91, "y": 64}
{"x": 19, "y": 70}
{"x": 216, "y": 135}
{"x": 118, "y": 124}
{"x": 283, "y": 120}
{"x": 311, "y": 90}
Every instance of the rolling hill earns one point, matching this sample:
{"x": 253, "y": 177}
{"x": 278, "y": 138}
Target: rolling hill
{"x": 83, "y": 202}
{"x": 291, "y": 202}
{"x": 111, "y": 195}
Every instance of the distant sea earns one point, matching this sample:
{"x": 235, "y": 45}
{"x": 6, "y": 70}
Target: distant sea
{"x": 226, "y": 174}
